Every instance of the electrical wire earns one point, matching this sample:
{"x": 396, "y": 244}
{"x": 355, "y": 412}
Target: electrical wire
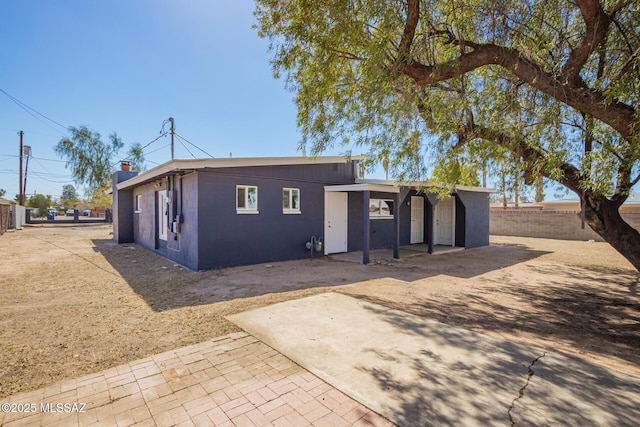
{"x": 191, "y": 143}
{"x": 48, "y": 160}
{"x": 143, "y": 147}
{"x": 158, "y": 149}
{"x": 149, "y": 143}
{"x": 185, "y": 147}
{"x": 31, "y": 110}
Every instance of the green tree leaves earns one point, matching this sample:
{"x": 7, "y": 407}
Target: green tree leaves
{"x": 91, "y": 160}
{"x": 416, "y": 80}
{"x": 40, "y": 202}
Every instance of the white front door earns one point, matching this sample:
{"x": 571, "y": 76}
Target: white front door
{"x": 417, "y": 220}
{"x": 163, "y": 214}
{"x": 444, "y": 216}
{"x": 335, "y": 222}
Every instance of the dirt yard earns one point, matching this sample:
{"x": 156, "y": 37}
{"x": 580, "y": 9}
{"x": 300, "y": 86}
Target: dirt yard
{"x": 74, "y": 302}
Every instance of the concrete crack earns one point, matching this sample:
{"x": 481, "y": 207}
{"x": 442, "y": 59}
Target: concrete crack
{"x": 521, "y": 391}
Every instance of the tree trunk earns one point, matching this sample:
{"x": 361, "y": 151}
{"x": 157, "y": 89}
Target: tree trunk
{"x": 604, "y": 218}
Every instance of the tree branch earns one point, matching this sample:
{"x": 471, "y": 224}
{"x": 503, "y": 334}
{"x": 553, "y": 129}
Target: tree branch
{"x": 413, "y": 16}
{"x": 596, "y": 27}
{"x": 616, "y": 114}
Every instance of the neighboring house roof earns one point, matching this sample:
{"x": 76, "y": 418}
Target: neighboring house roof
{"x": 193, "y": 164}
{"x": 7, "y": 202}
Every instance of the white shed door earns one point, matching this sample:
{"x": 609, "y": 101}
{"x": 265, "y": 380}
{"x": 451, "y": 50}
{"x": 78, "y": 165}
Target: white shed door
{"x": 444, "y": 216}
{"x": 417, "y": 220}
{"x": 162, "y": 214}
{"x": 335, "y": 222}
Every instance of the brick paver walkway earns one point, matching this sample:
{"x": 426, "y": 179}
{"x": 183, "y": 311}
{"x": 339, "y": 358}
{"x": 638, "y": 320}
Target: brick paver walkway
{"x": 234, "y": 380}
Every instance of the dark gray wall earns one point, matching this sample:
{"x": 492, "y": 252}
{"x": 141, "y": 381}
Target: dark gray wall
{"x": 381, "y": 234}
{"x": 184, "y": 250}
{"x": 227, "y": 238}
{"x": 144, "y": 222}
{"x": 461, "y": 223}
{"x": 122, "y": 204}
{"x": 180, "y": 247}
{"x": 476, "y": 206}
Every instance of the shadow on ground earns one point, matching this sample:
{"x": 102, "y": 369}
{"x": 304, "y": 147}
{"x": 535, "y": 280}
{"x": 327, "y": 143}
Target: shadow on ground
{"x": 471, "y": 379}
{"x": 165, "y": 285}
{"x": 563, "y": 310}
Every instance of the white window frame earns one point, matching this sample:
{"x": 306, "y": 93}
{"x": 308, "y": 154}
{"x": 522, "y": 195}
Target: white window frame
{"x": 246, "y": 209}
{"x": 138, "y": 203}
{"x": 290, "y": 209}
{"x": 378, "y": 213}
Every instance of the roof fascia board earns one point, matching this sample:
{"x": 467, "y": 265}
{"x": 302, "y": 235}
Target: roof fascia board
{"x": 427, "y": 184}
{"x": 362, "y": 187}
{"x": 192, "y": 164}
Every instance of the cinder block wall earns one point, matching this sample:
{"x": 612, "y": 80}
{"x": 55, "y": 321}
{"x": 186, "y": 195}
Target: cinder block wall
{"x": 549, "y": 225}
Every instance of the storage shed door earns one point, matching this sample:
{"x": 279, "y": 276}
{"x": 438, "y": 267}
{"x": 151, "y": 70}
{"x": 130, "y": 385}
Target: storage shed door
{"x": 335, "y": 222}
{"x": 444, "y": 215}
{"x": 417, "y": 219}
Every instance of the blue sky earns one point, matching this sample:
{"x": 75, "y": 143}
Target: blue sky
{"x": 126, "y": 66}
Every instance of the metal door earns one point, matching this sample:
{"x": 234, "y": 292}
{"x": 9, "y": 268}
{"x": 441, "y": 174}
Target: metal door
{"x": 444, "y": 217}
{"x": 335, "y": 222}
{"x": 417, "y": 219}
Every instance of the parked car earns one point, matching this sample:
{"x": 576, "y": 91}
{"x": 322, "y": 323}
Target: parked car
{"x": 86, "y": 212}
{"x": 70, "y": 212}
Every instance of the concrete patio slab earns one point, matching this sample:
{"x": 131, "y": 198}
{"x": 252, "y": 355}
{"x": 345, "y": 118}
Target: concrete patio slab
{"x": 415, "y": 371}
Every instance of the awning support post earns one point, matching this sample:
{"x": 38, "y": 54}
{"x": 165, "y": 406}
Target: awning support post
{"x": 366, "y": 227}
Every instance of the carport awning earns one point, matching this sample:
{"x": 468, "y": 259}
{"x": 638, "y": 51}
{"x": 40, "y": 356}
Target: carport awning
{"x": 363, "y": 187}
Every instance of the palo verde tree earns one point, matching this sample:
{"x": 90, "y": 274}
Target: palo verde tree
{"x": 555, "y": 83}
{"x": 92, "y": 161}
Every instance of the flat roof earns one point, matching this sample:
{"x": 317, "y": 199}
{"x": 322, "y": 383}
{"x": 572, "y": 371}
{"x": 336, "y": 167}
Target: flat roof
{"x": 232, "y": 162}
{"x": 425, "y": 184}
{"x": 362, "y": 187}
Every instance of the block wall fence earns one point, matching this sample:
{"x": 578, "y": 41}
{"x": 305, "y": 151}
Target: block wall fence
{"x": 547, "y": 224}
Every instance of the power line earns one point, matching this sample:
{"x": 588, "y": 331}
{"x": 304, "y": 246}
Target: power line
{"x": 49, "y": 160}
{"x": 145, "y": 146}
{"x": 149, "y": 143}
{"x": 157, "y": 149}
{"x": 185, "y": 147}
{"x": 191, "y": 143}
{"x": 31, "y": 110}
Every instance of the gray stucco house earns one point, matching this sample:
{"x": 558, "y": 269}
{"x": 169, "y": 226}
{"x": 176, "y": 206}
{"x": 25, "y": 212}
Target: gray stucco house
{"x": 214, "y": 213}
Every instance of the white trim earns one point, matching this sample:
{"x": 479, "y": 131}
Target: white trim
{"x": 290, "y": 210}
{"x": 246, "y": 209}
{"x": 424, "y": 184}
{"x": 380, "y": 216}
{"x": 190, "y": 164}
{"x": 362, "y": 187}
{"x": 138, "y": 203}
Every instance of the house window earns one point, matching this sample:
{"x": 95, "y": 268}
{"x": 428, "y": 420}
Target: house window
{"x": 380, "y": 209}
{"x": 246, "y": 199}
{"x": 291, "y": 200}
{"x": 138, "y": 203}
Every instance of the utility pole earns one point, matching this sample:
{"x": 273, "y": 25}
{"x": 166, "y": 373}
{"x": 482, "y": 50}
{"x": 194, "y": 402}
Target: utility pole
{"x": 173, "y": 131}
{"x": 27, "y": 150}
{"x": 20, "y": 194}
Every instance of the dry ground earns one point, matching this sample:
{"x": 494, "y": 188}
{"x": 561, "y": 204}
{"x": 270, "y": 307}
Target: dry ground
{"x": 73, "y": 302}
